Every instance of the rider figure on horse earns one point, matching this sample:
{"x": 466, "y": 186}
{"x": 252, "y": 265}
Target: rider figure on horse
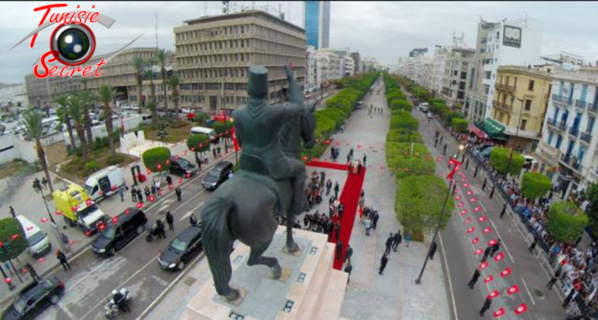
{"x": 259, "y": 122}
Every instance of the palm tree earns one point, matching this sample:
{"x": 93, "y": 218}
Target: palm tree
{"x": 152, "y": 106}
{"x": 149, "y": 74}
{"x": 87, "y": 103}
{"x": 173, "y": 83}
{"x": 65, "y": 118}
{"x": 76, "y": 111}
{"x": 138, "y": 66}
{"x": 106, "y": 95}
{"x": 32, "y": 121}
{"x": 161, "y": 57}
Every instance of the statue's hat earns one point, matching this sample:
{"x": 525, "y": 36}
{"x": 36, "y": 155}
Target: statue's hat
{"x": 257, "y": 85}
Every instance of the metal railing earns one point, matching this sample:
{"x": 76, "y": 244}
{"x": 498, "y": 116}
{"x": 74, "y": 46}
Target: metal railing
{"x": 586, "y": 136}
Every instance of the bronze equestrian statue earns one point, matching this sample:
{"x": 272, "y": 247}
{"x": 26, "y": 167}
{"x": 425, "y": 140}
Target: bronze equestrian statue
{"x": 270, "y": 181}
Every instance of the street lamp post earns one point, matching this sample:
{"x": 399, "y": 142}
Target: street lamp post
{"x": 448, "y": 192}
{"x": 38, "y": 189}
{"x": 516, "y": 133}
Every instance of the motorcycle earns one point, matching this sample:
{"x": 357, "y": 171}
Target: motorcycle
{"x": 151, "y": 233}
{"x": 111, "y": 309}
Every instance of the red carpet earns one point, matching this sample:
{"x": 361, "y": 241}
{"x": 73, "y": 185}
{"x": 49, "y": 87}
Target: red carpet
{"x": 350, "y": 198}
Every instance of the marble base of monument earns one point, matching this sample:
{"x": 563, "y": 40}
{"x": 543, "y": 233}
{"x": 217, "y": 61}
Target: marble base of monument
{"x": 308, "y": 289}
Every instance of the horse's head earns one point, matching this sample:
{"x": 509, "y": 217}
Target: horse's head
{"x": 308, "y": 125}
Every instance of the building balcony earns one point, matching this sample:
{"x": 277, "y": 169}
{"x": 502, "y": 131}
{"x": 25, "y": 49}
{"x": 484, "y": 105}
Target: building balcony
{"x": 586, "y": 137}
{"x": 573, "y": 131}
{"x": 593, "y": 108}
{"x": 558, "y": 98}
{"x": 580, "y": 105}
{"x": 505, "y": 87}
{"x": 571, "y": 162}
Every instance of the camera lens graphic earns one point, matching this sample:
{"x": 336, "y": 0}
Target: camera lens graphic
{"x": 72, "y": 44}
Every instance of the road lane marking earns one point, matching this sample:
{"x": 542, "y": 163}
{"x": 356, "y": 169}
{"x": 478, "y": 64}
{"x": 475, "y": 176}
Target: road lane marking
{"x": 527, "y": 289}
{"x": 449, "y": 276}
{"x": 165, "y": 291}
{"x": 66, "y": 310}
{"x": 191, "y": 211}
{"x": 103, "y": 301}
{"x": 504, "y": 244}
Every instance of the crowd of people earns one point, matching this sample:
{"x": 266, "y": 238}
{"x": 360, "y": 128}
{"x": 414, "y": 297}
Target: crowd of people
{"x": 575, "y": 268}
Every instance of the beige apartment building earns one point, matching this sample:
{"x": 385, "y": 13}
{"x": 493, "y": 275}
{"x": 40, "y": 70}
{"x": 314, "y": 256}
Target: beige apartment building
{"x": 213, "y": 55}
{"x": 118, "y": 72}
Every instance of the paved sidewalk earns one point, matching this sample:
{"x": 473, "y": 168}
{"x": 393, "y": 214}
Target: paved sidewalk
{"x": 28, "y": 203}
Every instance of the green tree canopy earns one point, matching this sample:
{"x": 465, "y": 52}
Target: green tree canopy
{"x": 591, "y": 195}
{"x": 13, "y": 239}
{"x": 198, "y": 142}
{"x": 566, "y": 221}
{"x": 535, "y": 185}
{"x": 499, "y": 160}
{"x": 459, "y": 125}
{"x": 156, "y": 156}
{"x": 222, "y": 128}
{"x": 403, "y": 163}
{"x": 419, "y": 200}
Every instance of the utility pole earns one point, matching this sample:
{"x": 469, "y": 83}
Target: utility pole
{"x": 516, "y": 132}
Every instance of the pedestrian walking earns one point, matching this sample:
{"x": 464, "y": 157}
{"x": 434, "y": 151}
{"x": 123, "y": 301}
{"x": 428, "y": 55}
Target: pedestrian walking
{"x": 147, "y": 193}
{"x": 348, "y": 158}
{"x": 193, "y": 219}
{"x": 219, "y": 153}
{"x": 484, "y": 184}
{"x": 161, "y": 231}
{"x": 486, "y": 253}
{"x": 139, "y": 195}
{"x": 475, "y": 172}
{"x": 441, "y": 139}
{"x": 178, "y": 192}
{"x": 170, "y": 221}
{"x": 553, "y": 280}
{"x": 348, "y": 269}
{"x": 169, "y": 180}
{"x": 336, "y": 188}
{"x": 214, "y": 152}
{"x": 32, "y": 272}
{"x": 444, "y": 150}
{"x": 503, "y": 211}
{"x": 133, "y": 194}
{"x": 432, "y": 250}
{"x": 12, "y": 212}
{"x": 339, "y": 250}
{"x": 365, "y": 158}
{"x": 533, "y": 245}
{"x": 396, "y": 240}
{"x": 375, "y": 219}
{"x": 383, "y": 263}
{"x": 474, "y": 279}
{"x": 328, "y": 186}
{"x": 495, "y": 247}
{"x": 62, "y": 258}
{"x": 486, "y": 306}
{"x": 389, "y": 242}
{"x": 348, "y": 253}
{"x": 368, "y": 225}
{"x": 121, "y": 192}
{"x": 492, "y": 191}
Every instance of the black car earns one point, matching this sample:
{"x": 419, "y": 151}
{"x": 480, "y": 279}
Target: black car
{"x": 116, "y": 236}
{"x": 217, "y": 175}
{"x": 181, "y": 249}
{"x": 34, "y": 299}
{"x": 181, "y": 167}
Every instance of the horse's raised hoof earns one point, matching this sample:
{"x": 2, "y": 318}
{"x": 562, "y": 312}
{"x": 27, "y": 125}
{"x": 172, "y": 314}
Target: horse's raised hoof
{"x": 276, "y": 271}
{"x": 233, "y": 295}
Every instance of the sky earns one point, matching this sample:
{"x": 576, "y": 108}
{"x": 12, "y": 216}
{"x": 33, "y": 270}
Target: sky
{"x": 384, "y": 30}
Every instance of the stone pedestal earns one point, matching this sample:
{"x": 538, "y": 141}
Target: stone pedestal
{"x": 308, "y": 289}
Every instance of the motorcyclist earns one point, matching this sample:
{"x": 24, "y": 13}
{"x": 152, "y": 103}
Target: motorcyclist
{"x": 120, "y": 301}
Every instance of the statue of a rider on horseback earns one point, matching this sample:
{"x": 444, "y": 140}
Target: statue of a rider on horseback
{"x": 270, "y": 182}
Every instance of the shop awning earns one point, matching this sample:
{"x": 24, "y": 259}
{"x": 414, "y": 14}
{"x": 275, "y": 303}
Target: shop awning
{"x": 475, "y": 130}
{"x": 494, "y": 129}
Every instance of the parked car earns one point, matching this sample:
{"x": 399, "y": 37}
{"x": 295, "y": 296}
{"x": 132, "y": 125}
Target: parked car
{"x": 423, "y": 107}
{"x": 105, "y": 183}
{"x": 217, "y": 175}
{"x": 181, "y": 249}
{"x": 181, "y": 167}
{"x": 34, "y": 299}
{"x": 120, "y": 231}
{"x": 37, "y": 241}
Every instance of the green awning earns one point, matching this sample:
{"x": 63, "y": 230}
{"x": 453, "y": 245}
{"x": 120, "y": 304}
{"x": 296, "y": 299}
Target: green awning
{"x": 494, "y": 129}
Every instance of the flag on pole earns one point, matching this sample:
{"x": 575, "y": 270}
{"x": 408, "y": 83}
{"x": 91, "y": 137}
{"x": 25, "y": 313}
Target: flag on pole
{"x": 234, "y": 138}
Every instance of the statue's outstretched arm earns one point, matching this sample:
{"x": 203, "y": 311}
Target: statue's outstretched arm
{"x": 295, "y": 94}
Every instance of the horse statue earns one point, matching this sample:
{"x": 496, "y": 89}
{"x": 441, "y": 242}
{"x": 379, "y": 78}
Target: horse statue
{"x": 245, "y": 207}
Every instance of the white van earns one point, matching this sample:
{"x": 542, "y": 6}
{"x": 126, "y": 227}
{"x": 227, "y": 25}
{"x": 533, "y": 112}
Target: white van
{"x": 202, "y": 130}
{"x": 100, "y": 184}
{"x": 37, "y": 241}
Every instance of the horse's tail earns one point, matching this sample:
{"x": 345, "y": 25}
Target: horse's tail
{"x": 218, "y": 241}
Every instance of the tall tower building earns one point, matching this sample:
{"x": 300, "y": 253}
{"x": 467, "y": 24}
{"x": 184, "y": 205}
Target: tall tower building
{"x": 316, "y": 18}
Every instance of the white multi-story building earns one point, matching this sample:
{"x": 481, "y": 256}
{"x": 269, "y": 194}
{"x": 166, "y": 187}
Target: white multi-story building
{"x": 329, "y": 66}
{"x": 438, "y": 65}
{"x": 310, "y": 69}
{"x": 14, "y": 96}
{"x": 567, "y": 150}
{"x": 506, "y": 42}
{"x": 457, "y": 75}
{"x": 349, "y": 65}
